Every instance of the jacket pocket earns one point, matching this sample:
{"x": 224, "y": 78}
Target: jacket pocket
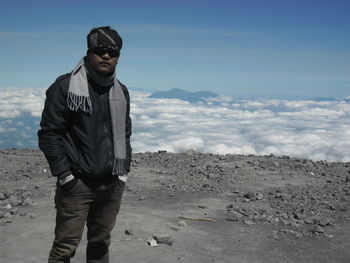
{"x": 72, "y": 153}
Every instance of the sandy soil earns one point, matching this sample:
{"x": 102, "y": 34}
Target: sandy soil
{"x": 262, "y": 209}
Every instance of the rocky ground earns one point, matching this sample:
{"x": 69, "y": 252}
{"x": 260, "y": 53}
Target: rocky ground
{"x": 193, "y": 207}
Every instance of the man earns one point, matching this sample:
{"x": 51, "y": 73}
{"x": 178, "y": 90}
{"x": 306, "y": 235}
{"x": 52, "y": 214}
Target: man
{"x": 85, "y": 136}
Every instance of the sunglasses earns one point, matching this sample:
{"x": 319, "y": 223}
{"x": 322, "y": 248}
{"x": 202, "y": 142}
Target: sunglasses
{"x": 111, "y": 51}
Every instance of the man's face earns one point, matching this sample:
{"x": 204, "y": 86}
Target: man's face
{"x": 103, "y": 63}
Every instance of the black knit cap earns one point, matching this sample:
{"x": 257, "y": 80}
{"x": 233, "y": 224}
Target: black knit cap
{"x": 104, "y": 37}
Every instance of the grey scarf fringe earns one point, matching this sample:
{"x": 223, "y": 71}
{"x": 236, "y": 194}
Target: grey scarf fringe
{"x": 74, "y": 102}
{"x": 119, "y": 166}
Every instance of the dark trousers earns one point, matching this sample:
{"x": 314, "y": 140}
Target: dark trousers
{"x": 97, "y": 205}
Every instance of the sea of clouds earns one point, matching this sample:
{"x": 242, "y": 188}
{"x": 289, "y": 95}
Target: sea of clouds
{"x": 318, "y": 130}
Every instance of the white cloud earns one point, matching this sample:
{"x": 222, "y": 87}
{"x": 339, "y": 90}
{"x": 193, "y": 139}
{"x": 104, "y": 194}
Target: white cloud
{"x": 7, "y": 129}
{"x": 308, "y": 129}
{"x": 187, "y": 143}
{"x": 17, "y": 101}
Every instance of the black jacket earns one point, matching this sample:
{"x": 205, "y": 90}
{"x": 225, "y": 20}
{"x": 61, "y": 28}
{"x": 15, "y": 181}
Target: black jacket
{"x": 75, "y": 141}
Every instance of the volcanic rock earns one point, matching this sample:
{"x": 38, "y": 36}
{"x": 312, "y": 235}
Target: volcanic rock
{"x": 28, "y": 202}
{"x": 249, "y": 195}
{"x": 129, "y": 231}
{"x": 249, "y": 222}
{"x": 317, "y": 229}
{"x": 182, "y": 224}
{"x": 15, "y": 201}
{"x": 7, "y": 215}
{"x": 168, "y": 240}
{"x": 233, "y": 216}
{"x": 14, "y": 211}
{"x": 32, "y": 215}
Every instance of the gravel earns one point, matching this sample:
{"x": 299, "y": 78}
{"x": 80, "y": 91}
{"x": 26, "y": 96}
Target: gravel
{"x": 272, "y": 190}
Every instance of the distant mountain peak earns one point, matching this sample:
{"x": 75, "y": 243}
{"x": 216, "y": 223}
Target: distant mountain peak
{"x": 184, "y": 95}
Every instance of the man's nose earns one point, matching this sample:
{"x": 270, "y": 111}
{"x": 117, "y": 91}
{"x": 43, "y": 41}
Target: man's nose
{"x": 106, "y": 56}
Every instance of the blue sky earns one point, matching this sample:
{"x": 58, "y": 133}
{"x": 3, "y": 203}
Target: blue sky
{"x": 273, "y": 49}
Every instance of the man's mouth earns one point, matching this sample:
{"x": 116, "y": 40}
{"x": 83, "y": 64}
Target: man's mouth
{"x": 104, "y": 63}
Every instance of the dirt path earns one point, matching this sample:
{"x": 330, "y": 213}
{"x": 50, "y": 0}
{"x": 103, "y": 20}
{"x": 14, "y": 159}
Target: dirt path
{"x": 261, "y": 213}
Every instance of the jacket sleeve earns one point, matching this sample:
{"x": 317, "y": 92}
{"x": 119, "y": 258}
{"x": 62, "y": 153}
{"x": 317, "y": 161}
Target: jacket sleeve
{"x": 128, "y": 131}
{"x": 53, "y": 126}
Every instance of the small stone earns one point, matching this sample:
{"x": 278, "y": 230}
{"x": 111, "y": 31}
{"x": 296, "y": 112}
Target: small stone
{"x": 152, "y": 242}
{"x": 175, "y": 228}
{"x": 317, "y": 220}
{"x": 249, "y": 195}
{"x": 309, "y": 220}
{"x": 276, "y": 164}
{"x": 275, "y": 235}
{"x": 142, "y": 198}
{"x": 129, "y": 231}
{"x": 269, "y": 219}
{"x": 299, "y": 234}
{"x": 8, "y": 206}
{"x": 285, "y": 222}
{"x": 260, "y": 196}
{"x": 14, "y": 211}
{"x": 202, "y": 206}
{"x": 249, "y": 222}
{"x": 256, "y": 163}
{"x": 32, "y": 216}
{"x": 28, "y": 202}
{"x": 26, "y": 194}
{"x": 15, "y": 201}
{"x": 233, "y": 216}
{"x": 23, "y": 213}
{"x": 317, "y": 229}
{"x": 168, "y": 240}
{"x": 298, "y": 216}
{"x": 230, "y": 206}
{"x": 2, "y": 196}
{"x": 284, "y": 215}
{"x": 7, "y": 215}
{"x": 256, "y": 218}
{"x": 182, "y": 224}
{"x": 263, "y": 165}
{"x": 324, "y": 221}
